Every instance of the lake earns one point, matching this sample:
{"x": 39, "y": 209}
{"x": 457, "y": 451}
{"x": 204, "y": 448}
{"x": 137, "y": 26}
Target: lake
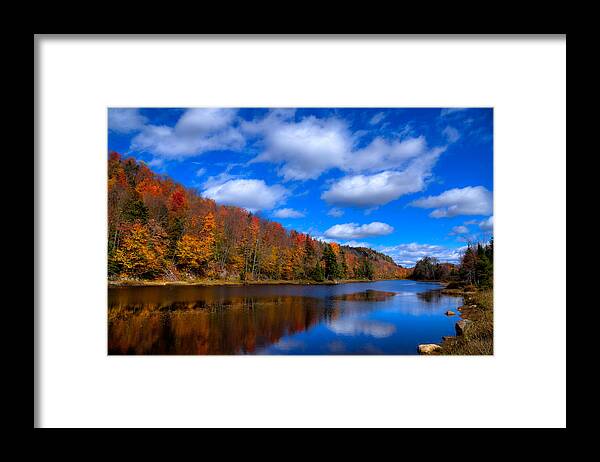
{"x": 382, "y": 317}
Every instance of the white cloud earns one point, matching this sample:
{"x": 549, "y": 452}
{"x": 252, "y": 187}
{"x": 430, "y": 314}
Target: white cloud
{"x": 335, "y": 212}
{"x": 373, "y": 190}
{"x": 409, "y": 254}
{"x": 288, "y": 213}
{"x": 200, "y": 172}
{"x": 472, "y": 200}
{"x": 304, "y": 150}
{"x": 487, "y": 224}
{"x": 197, "y": 131}
{"x": 323, "y": 238}
{"x": 252, "y": 195}
{"x": 460, "y": 230}
{"x": 484, "y": 225}
{"x": 384, "y": 155}
{"x": 354, "y": 231}
{"x": 269, "y": 122}
{"x": 217, "y": 180}
{"x": 125, "y": 120}
{"x": 203, "y": 121}
{"x": 355, "y": 244}
{"x": 451, "y": 134}
{"x": 377, "y": 118}
{"x": 156, "y": 162}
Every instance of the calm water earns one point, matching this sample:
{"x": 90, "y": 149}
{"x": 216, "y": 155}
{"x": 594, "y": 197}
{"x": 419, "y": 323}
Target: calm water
{"x": 383, "y": 317}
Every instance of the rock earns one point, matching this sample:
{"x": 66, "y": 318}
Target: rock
{"x": 462, "y": 326}
{"x": 450, "y": 313}
{"x": 428, "y": 348}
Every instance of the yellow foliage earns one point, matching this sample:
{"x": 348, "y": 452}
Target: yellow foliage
{"x": 195, "y": 253}
{"x": 288, "y": 264}
{"x": 271, "y": 263}
{"x": 139, "y": 252}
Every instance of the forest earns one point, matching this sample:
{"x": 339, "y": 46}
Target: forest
{"x": 476, "y": 267}
{"x": 161, "y": 230}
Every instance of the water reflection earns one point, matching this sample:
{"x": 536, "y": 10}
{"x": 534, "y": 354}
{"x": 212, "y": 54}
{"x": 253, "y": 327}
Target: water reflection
{"x": 431, "y": 296}
{"x": 353, "y": 326}
{"x": 386, "y": 317}
{"x": 233, "y": 326}
{"x": 369, "y": 295}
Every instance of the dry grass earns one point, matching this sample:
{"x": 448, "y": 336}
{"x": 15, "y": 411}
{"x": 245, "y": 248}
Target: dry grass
{"x": 479, "y": 337}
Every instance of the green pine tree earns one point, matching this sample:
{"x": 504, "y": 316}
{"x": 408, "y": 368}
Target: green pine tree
{"x": 317, "y": 273}
{"x": 331, "y": 264}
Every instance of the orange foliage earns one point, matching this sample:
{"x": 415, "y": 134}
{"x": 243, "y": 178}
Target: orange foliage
{"x": 336, "y": 248}
{"x": 179, "y": 227}
{"x": 150, "y": 187}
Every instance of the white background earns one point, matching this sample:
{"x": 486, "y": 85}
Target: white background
{"x": 524, "y": 384}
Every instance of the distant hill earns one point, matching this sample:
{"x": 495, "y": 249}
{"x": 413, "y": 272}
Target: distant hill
{"x": 159, "y": 229}
{"x": 383, "y": 261}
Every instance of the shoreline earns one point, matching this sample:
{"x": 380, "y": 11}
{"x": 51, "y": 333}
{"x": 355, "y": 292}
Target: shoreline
{"x": 476, "y": 337}
{"x": 217, "y": 282}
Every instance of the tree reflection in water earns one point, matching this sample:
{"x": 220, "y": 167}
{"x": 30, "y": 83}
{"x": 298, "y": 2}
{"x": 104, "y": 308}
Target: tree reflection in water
{"x": 233, "y": 326}
{"x": 433, "y": 296}
{"x": 369, "y": 295}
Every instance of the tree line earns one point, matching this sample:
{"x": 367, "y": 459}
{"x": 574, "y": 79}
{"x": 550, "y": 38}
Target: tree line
{"x": 158, "y": 229}
{"x": 476, "y": 267}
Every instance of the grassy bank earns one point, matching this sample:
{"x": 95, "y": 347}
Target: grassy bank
{"x": 478, "y": 338}
{"x": 223, "y": 282}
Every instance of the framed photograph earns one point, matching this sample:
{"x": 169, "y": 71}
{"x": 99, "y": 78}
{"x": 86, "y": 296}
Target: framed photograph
{"x": 300, "y": 231}
{"x": 291, "y": 215}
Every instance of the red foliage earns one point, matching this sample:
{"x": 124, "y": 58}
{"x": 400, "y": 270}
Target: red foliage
{"x": 177, "y": 201}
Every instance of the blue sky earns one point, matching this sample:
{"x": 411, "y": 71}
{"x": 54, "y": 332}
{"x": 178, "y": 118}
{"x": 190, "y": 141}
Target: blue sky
{"x": 408, "y": 182}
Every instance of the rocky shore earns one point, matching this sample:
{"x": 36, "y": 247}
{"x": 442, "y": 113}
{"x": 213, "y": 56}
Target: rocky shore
{"x": 474, "y": 331}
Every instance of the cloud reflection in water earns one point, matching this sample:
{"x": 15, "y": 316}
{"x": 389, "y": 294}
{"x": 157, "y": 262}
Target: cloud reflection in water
{"x": 356, "y": 326}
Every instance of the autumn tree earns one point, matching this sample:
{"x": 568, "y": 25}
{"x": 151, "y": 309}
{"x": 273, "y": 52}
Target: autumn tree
{"x": 140, "y": 253}
{"x": 189, "y": 253}
{"x": 177, "y": 200}
{"x": 468, "y": 266}
{"x": 207, "y": 236}
{"x": 196, "y": 253}
{"x": 287, "y": 260}
{"x": 118, "y": 193}
{"x": 252, "y": 247}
